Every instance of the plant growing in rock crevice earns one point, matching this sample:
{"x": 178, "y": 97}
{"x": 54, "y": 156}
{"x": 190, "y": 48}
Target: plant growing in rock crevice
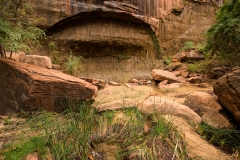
{"x": 156, "y": 42}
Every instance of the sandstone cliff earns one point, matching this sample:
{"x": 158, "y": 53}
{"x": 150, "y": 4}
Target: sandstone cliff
{"x": 126, "y": 29}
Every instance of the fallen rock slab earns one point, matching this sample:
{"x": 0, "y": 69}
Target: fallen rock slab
{"x": 193, "y": 55}
{"x": 27, "y": 87}
{"x": 161, "y": 75}
{"x": 161, "y": 105}
{"x": 195, "y": 80}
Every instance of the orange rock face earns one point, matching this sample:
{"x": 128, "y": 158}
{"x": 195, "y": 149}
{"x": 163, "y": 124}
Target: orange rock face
{"x": 28, "y": 87}
{"x": 116, "y": 36}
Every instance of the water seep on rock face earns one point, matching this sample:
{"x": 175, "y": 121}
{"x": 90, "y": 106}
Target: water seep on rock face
{"x": 121, "y": 36}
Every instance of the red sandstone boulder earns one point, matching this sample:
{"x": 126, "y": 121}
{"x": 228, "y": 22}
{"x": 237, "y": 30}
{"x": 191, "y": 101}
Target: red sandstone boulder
{"x": 27, "y": 87}
{"x": 197, "y": 100}
{"x": 208, "y": 108}
{"x": 195, "y": 79}
{"x": 188, "y": 56}
{"x": 160, "y": 75}
{"x": 41, "y": 61}
{"x": 227, "y": 88}
{"x": 193, "y": 56}
{"x": 179, "y": 56}
{"x": 161, "y": 105}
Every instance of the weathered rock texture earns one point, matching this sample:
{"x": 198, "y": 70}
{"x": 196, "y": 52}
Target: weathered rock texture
{"x": 208, "y": 108}
{"x": 27, "y": 87}
{"x": 161, "y": 75}
{"x": 227, "y": 88}
{"x": 118, "y": 30}
{"x": 162, "y": 105}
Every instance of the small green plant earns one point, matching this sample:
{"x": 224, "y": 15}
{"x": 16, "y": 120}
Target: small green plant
{"x": 156, "y": 43}
{"x": 167, "y": 60}
{"x": 73, "y": 65}
{"x": 124, "y": 56}
{"x": 187, "y": 46}
{"x": 54, "y": 53}
{"x": 198, "y": 67}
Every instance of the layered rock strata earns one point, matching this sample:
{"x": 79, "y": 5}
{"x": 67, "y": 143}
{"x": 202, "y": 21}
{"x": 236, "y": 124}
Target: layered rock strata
{"x": 121, "y": 37}
{"x": 29, "y": 87}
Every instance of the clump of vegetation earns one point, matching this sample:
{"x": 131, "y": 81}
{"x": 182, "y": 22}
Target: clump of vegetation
{"x": 167, "y": 61}
{"x": 54, "y": 53}
{"x": 74, "y": 135}
{"x": 226, "y": 139}
{"x": 187, "y": 46}
{"x": 73, "y": 65}
{"x": 156, "y": 43}
{"x": 223, "y": 37}
{"x": 70, "y": 64}
{"x": 198, "y": 67}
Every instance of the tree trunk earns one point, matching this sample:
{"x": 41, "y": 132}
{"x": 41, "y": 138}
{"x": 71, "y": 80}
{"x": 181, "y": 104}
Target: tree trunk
{"x": 2, "y": 51}
{"x": 11, "y": 54}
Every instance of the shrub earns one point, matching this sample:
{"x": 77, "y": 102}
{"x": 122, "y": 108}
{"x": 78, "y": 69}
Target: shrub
{"x": 187, "y": 46}
{"x": 73, "y": 65}
{"x": 224, "y": 36}
{"x": 167, "y": 60}
{"x": 198, "y": 67}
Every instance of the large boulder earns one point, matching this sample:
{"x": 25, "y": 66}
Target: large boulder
{"x": 197, "y": 100}
{"x": 206, "y": 106}
{"x": 193, "y": 55}
{"x": 161, "y": 105}
{"x": 227, "y": 88}
{"x": 27, "y": 87}
{"x": 161, "y": 75}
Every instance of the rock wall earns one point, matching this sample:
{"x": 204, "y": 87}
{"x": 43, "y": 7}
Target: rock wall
{"x": 124, "y": 28}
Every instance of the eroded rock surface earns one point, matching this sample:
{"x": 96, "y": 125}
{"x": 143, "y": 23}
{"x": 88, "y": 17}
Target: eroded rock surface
{"x": 28, "y": 87}
{"x": 161, "y": 105}
{"x": 161, "y": 75}
{"x": 118, "y": 39}
{"x": 198, "y": 100}
{"x": 227, "y": 88}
